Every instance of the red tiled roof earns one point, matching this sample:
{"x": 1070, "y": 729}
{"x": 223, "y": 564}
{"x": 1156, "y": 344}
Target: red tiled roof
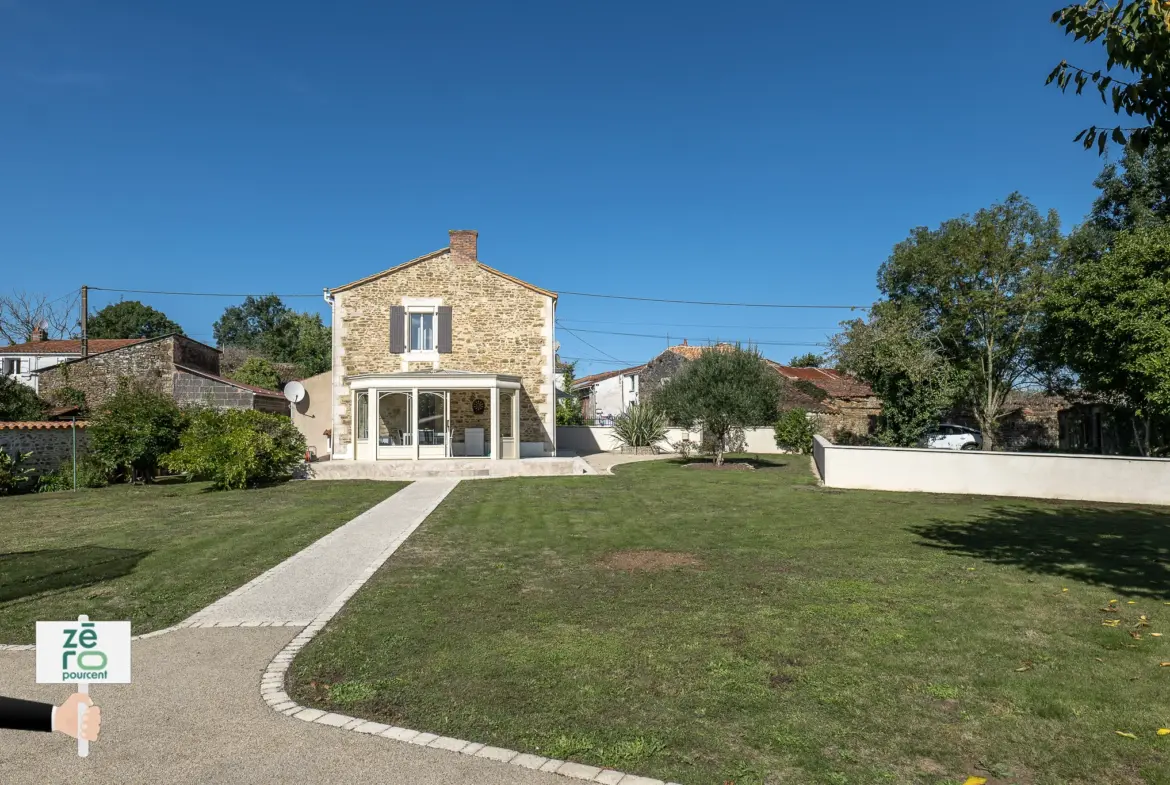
{"x": 585, "y": 381}
{"x": 39, "y": 425}
{"x": 835, "y": 383}
{"x": 232, "y": 382}
{"x": 69, "y": 346}
{"x": 693, "y": 352}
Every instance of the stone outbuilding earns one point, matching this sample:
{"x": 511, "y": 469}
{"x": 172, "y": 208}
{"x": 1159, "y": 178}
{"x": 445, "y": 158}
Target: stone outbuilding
{"x": 173, "y": 365}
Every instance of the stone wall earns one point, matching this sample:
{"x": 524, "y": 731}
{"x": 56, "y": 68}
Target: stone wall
{"x": 151, "y": 364}
{"x": 850, "y": 416}
{"x": 196, "y": 355}
{"x": 497, "y": 326}
{"x": 193, "y": 390}
{"x": 665, "y": 366}
{"x": 50, "y": 447}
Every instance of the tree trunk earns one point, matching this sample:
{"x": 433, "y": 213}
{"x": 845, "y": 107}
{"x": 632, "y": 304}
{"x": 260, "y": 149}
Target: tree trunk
{"x": 718, "y": 447}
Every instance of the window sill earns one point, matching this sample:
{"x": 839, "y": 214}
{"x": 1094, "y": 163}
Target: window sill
{"x": 424, "y": 356}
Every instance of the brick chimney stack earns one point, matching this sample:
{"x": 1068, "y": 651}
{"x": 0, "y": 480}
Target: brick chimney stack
{"x": 38, "y": 334}
{"x": 463, "y": 245}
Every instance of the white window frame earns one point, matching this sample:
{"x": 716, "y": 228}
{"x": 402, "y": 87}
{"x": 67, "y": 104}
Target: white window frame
{"x": 422, "y": 305}
{"x": 13, "y": 366}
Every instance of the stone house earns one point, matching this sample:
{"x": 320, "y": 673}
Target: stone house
{"x": 24, "y": 361}
{"x": 174, "y": 365}
{"x": 443, "y": 356}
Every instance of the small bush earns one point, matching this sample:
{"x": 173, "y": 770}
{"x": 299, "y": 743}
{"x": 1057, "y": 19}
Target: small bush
{"x": 640, "y": 425}
{"x": 93, "y": 473}
{"x": 238, "y": 449}
{"x": 134, "y": 429}
{"x": 14, "y": 475}
{"x": 794, "y": 431}
{"x": 685, "y": 448}
{"x": 69, "y": 396}
{"x": 58, "y": 480}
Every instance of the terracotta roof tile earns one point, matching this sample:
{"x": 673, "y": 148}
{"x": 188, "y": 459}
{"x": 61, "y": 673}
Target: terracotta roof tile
{"x": 833, "y": 382}
{"x": 585, "y": 381}
{"x": 69, "y": 346}
{"x": 693, "y": 352}
{"x": 39, "y": 425}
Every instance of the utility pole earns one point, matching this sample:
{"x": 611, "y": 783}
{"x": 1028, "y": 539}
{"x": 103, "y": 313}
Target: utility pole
{"x": 84, "y": 319}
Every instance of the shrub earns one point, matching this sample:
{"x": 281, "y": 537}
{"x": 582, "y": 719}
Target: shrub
{"x": 69, "y": 396}
{"x": 59, "y": 480}
{"x": 18, "y": 401}
{"x": 258, "y": 372}
{"x": 238, "y": 449}
{"x": 640, "y": 425}
{"x": 133, "y": 430}
{"x": 794, "y": 431}
{"x": 685, "y": 448}
{"x": 93, "y": 473}
{"x": 14, "y": 475}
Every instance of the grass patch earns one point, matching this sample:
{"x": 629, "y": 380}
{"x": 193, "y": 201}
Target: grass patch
{"x": 155, "y": 554}
{"x": 751, "y": 627}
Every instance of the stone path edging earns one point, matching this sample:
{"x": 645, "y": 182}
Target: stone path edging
{"x": 273, "y": 692}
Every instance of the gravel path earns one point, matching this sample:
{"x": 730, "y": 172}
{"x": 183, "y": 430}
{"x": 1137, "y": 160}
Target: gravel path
{"x": 194, "y": 715}
{"x": 303, "y": 586}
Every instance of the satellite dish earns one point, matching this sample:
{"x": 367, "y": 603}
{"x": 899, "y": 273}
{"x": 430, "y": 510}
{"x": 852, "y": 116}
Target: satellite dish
{"x": 294, "y": 391}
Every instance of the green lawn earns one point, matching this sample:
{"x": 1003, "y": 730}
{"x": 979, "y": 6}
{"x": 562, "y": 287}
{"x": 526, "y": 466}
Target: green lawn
{"x": 155, "y": 554}
{"x": 803, "y": 635}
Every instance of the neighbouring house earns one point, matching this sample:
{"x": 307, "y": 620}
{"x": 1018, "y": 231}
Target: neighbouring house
{"x": 310, "y": 414}
{"x": 843, "y": 405}
{"x": 174, "y": 365}
{"x": 443, "y": 356}
{"x": 23, "y": 361}
{"x": 604, "y": 396}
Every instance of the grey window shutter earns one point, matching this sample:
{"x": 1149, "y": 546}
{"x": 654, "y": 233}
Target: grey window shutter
{"x": 397, "y": 329}
{"x": 444, "y": 331}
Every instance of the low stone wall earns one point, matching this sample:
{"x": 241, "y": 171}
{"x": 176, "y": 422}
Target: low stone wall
{"x": 1098, "y": 478}
{"x": 51, "y": 443}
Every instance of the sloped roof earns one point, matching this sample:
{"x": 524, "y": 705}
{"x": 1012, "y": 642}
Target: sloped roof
{"x": 69, "y": 346}
{"x": 232, "y": 382}
{"x": 835, "y": 383}
{"x": 435, "y": 255}
{"x": 693, "y": 352}
{"x": 40, "y": 425}
{"x": 585, "y": 381}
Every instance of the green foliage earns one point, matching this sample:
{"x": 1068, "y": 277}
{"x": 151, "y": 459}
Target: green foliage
{"x": 808, "y": 360}
{"x": 640, "y": 425}
{"x": 238, "y": 448}
{"x": 569, "y": 403}
{"x": 57, "y": 480}
{"x": 258, "y": 372}
{"x": 14, "y": 475}
{"x": 69, "y": 397}
{"x": 794, "y": 431}
{"x": 130, "y": 319}
{"x": 18, "y": 401}
{"x": 724, "y": 391}
{"x": 1108, "y": 322}
{"x": 905, "y": 366}
{"x": 267, "y": 325}
{"x": 975, "y": 286}
{"x": 133, "y": 430}
{"x": 808, "y": 388}
{"x": 93, "y": 473}
{"x": 1136, "y": 36}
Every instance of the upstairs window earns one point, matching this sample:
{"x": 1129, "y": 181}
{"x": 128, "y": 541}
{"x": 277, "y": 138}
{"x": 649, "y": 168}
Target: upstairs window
{"x": 422, "y": 332}
{"x": 11, "y": 366}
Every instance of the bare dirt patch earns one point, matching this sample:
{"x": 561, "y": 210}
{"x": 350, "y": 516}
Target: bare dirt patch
{"x": 639, "y": 561}
{"x": 729, "y": 466}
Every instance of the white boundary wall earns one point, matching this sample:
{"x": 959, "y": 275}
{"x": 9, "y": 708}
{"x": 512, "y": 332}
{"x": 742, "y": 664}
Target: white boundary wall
{"x": 587, "y": 439}
{"x": 1100, "y": 478}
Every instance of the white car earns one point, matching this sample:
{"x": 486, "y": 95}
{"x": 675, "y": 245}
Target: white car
{"x": 952, "y": 437}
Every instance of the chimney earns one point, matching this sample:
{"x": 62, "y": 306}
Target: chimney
{"x": 38, "y": 334}
{"x": 463, "y": 245}
{"x": 684, "y": 341}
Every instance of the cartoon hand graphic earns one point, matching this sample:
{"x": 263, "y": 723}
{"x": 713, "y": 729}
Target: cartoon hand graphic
{"x": 65, "y": 718}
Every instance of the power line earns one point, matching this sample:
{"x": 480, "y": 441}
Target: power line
{"x": 709, "y": 302}
{"x": 699, "y": 341}
{"x": 197, "y": 294}
{"x": 623, "y": 363}
{"x": 582, "y": 340}
{"x": 705, "y": 326}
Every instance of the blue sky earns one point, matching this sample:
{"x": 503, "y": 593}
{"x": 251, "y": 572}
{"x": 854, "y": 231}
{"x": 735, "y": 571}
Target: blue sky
{"x": 766, "y": 152}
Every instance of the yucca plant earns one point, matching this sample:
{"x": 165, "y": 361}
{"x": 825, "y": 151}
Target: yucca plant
{"x": 640, "y": 425}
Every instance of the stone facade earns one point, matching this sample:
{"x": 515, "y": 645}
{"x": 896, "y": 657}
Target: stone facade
{"x": 51, "y": 445}
{"x": 174, "y": 365}
{"x": 498, "y": 325}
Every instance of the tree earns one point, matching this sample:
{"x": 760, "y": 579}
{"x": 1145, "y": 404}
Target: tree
{"x": 258, "y": 372}
{"x": 134, "y": 429}
{"x": 906, "y": 368}
{"x": 723, "y": 391}
{"x": 267, "y": 325}
{"x": 1136, "y": 36}
{"x": 21, "y": 313}
{"x": 19, "y": 402}
{"x": 248, "y": 324}
{"x": 794, "y": 431}
{"x": 807, "y": 360}
{"x": 976, "y": 285}
{"x": 568, "y": 402}
{"x": 1108, "y": 322}
{"x": 130, "y": 319}
{"x": 238, "y": 448}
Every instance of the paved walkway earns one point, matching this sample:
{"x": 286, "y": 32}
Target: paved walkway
{"x": 605, "y": 461}
{"x": 194, "y": 715}
{"x": 300, "y": 588}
